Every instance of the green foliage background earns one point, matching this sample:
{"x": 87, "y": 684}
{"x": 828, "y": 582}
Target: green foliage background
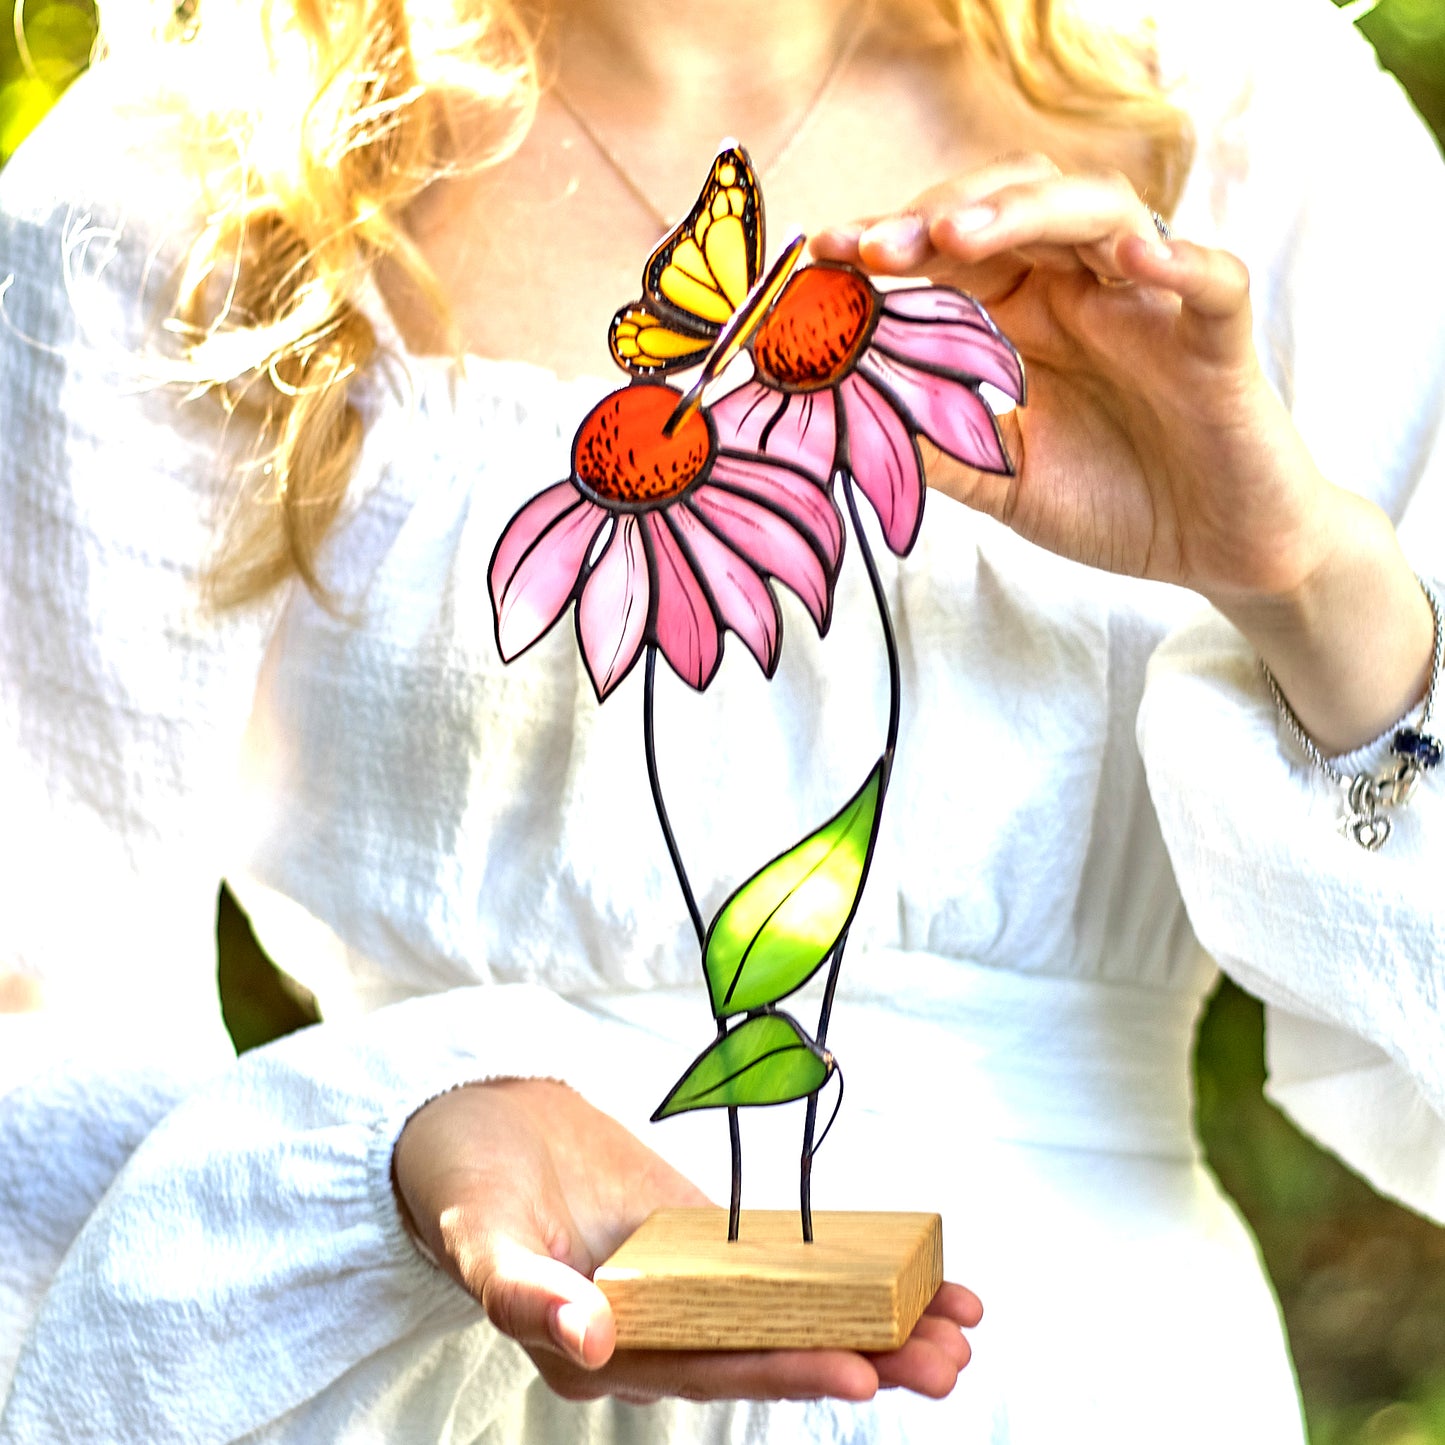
{"x": 1361, "y": 1281}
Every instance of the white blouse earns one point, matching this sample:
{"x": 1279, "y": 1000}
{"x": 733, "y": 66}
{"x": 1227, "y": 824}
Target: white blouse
{"x": 461, "y": 859}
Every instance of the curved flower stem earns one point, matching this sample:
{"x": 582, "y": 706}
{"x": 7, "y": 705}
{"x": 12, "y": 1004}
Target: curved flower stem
{"x": 810, "y": 1121}
{"x": 649, "y": 745}
{"x": 895, "y": 707}
{"x": 890, "y": 641}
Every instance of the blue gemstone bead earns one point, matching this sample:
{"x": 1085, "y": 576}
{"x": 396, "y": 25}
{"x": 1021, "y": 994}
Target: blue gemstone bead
{"x": 1425, "y": 749}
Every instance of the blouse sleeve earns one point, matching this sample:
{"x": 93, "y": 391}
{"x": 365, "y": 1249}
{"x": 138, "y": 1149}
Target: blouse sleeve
{"x": 1346, "y": 947}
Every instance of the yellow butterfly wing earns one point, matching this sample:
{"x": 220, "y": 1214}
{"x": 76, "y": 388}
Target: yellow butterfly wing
{"x": 698, "y": 276}
{"x": 648, "y": 344}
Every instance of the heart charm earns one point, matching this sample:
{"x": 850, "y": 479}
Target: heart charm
{"x": 1370, "y": 833}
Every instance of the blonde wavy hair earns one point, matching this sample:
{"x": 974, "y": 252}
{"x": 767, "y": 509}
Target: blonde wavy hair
{"x": 306, "y": 183}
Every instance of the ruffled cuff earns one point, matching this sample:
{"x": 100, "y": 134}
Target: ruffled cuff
{"x": 410, "y": 1253}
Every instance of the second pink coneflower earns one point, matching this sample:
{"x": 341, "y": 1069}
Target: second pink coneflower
{"x": 845, "y": 375}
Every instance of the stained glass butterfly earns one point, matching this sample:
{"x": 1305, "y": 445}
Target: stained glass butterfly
{"x": 702, "y": 299}
{"x": 698, "y": 276}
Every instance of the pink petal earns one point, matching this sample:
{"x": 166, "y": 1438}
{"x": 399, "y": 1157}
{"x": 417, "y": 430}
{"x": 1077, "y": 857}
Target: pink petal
{"x": 937, "y": 327}
{"x": 521, "y": 534}
{"x": 805, "y": 504}
{"x": 743, "y": 599}
{"x": 537, "y": 562}
{"x": 883, "y": 458}
{"x": 770, "y": 543}
{"x": 932, "y": 303}
{"x": 796, "y": 427}
{"x": 949, "y": 413}
{"x": 612, "y": 612}
{"x": 684, "y": 628}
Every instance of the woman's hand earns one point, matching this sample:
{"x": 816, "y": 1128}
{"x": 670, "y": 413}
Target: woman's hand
{"x": 1152, "y": 443}
{"x": 521, "y": 1189}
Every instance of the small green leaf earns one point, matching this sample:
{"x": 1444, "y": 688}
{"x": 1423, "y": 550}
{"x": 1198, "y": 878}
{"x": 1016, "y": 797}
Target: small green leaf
{"x": 764, "y": 1060}
{"x": 772, "y": 935}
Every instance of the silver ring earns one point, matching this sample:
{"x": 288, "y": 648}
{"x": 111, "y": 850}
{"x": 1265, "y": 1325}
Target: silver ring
{"x": 1160, "y": 225}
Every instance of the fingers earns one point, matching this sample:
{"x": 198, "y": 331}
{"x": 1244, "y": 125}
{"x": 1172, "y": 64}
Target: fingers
{"x": 929, "y": 1361}
{"x": 1083, "y": 218}
{"x": 936, "y": 1352}
{"x": 955, "y": 1303}
{"x": 1020, "y": 205}
{"x": 567, "y": 1327}
{"x": 1020, "y": 220}
{"x": 645, "y": 1375}
{"x": 1212, "y": 285}
{"x": 900, "y": 243}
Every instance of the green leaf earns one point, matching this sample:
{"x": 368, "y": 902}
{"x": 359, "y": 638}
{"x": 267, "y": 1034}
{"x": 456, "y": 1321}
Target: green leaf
{"x": 772, "y": 935}
{"x": 764, "y": 1060}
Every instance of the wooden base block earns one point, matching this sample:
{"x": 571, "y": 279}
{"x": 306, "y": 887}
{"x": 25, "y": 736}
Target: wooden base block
{"x": 678, "y": 1284}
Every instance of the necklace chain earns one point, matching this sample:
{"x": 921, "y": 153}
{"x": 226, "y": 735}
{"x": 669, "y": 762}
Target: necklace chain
{"x": 853, "y": 33}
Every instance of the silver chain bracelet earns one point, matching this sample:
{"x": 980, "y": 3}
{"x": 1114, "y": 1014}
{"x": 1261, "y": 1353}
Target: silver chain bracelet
{"x": 1367, "y": 799}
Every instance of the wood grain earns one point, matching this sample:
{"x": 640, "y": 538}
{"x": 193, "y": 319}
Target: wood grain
{"x": 678, "y": 1284}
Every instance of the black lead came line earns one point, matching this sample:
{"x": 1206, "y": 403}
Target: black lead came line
{"x": 895, "y": 707}
{"x": 649, "y": 746}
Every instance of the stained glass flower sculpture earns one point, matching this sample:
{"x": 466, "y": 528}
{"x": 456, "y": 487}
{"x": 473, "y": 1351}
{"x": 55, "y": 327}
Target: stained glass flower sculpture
{"x": 679, "y": 513}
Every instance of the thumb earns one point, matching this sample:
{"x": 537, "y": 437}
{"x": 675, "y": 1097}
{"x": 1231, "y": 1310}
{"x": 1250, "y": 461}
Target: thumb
{"x": 476, "y": 1181}
{"x": 540, "y": 1301}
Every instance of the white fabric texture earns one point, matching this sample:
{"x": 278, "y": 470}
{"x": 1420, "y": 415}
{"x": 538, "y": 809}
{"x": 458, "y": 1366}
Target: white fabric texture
{"x": 460, "y": 858}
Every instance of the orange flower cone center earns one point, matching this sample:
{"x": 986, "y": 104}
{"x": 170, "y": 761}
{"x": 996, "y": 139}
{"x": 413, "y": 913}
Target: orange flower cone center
{"x": 813, "y": 335}
{"x": 622, "y": 456}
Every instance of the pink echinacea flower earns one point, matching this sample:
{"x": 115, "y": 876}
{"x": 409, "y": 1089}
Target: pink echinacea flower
{"x": 664, "y": 542}
{"x": 846, "y": 375}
